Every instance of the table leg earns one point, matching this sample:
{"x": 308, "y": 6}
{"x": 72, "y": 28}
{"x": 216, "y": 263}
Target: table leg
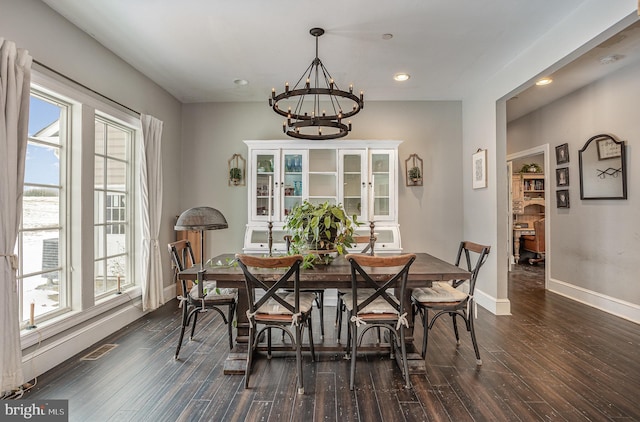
{"x": 236, "y": 361}
{"x": 516, "y": 247}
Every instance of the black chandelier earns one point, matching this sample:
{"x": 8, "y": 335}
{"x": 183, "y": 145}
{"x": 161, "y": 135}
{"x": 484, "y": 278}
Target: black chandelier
{"x": 306, "y": 119}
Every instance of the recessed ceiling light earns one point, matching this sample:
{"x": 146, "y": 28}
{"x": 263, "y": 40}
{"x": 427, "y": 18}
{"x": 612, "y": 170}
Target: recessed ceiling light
{"x": 544, "y": 81}
{"x": 387, "y": 36}
{"x": 240, "y": 82}
{"x": 610, "y": 59}
{"x": 400, "y": 77}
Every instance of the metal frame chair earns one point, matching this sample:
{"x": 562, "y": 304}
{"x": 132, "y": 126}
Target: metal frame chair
{"x": 319, "y": 292}
{"x": 340, "y": 308}
{"x": 277, "y": 308}
{"x": 446, "y": 299}
{"x": 374, "y": 307}
{"x": 191, "y": 300}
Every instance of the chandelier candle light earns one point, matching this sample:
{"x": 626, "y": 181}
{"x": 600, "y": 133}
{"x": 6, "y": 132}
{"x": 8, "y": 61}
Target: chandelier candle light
{"x": 306, "y": 119}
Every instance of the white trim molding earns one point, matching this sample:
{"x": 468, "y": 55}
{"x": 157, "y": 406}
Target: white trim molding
{"x": 493, "y": 305}
{"x": 620, "y": 308}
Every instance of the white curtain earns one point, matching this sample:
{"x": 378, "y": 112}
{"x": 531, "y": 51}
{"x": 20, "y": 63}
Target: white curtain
{"x": 151, "y": 187}
{"x": 15, "y": 79}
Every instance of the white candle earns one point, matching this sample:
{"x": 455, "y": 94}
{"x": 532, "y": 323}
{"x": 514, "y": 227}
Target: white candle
{"x": 269, "y": 199}
{"x": 32, "y": 311}
{"x": 118, "y": 283}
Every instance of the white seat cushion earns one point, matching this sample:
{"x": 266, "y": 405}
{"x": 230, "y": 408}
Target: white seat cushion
{"x": 438, "y": 292}
{"x": 272, "y": 307}
{"x": 213, "y": 292}
{"x": 378, "y": 306}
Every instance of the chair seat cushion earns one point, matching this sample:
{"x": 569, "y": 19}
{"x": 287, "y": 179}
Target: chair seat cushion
{"x": 272, "y": 307}
{"x": 438, "y": 292}
{"x": 378, "y": 306}
{"x": 213, "y": 292}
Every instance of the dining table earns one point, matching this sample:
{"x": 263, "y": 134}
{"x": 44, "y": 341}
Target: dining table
{"x": 336, "y": 275}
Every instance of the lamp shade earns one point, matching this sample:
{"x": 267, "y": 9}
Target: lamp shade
{"x": 201, "y": 218}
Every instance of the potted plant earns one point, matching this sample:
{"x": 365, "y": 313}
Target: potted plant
{"x": 415, "y": 175}
{"x": 235, "y": 174}
{"x": 320, "y": 231}
{"x": 531, "y": 168}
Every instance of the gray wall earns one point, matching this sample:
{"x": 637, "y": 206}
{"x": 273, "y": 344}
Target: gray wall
{"x": 430, "y": 215}
{"x": 595, "y": 243}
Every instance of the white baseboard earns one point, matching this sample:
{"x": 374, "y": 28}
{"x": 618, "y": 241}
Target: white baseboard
{"x": 621, "y": 308}
{"x": 50, "y": 355}
{"x": 493, "y": 305}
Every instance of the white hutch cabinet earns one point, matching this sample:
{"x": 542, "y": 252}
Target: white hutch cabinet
{"x": 362, "y": 175}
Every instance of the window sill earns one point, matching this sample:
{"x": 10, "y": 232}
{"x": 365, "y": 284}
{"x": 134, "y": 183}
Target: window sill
{"x": 68, "y": 320}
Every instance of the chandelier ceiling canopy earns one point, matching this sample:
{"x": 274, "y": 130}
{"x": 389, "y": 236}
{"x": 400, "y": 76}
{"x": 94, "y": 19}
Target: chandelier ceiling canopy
{"x": 313, "y": 108}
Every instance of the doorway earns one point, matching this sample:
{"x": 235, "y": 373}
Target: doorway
{"x": 529, "y": 202}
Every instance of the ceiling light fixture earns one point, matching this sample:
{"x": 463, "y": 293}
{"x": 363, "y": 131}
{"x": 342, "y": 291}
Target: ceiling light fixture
{"x": 304, "y": 106}
{"x": 544, "y": 81}
{"x": 401, "y": 77}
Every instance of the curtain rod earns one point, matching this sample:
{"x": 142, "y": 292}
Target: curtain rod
{"x": 85, "y": 87}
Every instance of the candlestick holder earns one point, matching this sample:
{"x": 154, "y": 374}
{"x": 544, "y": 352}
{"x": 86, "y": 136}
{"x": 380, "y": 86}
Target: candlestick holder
{"x": 31, "y": 327}
{"x": 372, "y": 236}
{"x": 270, "y": 230}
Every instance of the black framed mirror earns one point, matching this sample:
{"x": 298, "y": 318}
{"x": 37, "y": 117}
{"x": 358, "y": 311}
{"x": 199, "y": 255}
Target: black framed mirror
{"x": 603, "y": 173}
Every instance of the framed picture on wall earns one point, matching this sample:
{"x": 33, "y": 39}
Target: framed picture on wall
{"x": 562, "y": 154}
{"x": 479, "y": 169}
{"x": 562, "y": 176}
{"x": 562, "y": 198}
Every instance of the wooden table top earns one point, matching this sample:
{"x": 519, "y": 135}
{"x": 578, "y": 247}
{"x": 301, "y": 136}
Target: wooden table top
{"x": 425, "y": 268}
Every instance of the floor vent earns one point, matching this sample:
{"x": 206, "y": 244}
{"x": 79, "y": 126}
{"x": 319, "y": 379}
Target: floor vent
{"x": 99, "y": 352}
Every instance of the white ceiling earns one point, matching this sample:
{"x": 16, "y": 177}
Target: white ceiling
{"x": 195, "y": 49}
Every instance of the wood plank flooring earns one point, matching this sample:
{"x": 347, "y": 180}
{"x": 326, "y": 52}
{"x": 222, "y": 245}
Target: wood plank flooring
{"x": 553, "y": 360}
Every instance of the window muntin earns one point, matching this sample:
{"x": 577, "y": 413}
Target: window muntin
{"x": 112, "y": 215}
{"x": 42, "y": 269}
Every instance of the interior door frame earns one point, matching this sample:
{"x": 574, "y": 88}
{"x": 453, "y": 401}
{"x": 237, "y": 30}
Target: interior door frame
{"x": 544, "y": 150}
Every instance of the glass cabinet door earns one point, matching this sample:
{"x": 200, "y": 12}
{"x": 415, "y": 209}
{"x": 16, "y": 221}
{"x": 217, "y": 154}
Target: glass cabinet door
{"x": 353, "y": 183}
{"x": 265, "y": 178}
{"x": 382, "y": 177}
{"x": 293, "y": 186}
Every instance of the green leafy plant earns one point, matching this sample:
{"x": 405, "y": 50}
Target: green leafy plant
{"x": 317, "y": 231}
{"x": 414, "y": 173}
{"x": 235, "y": 174}
{"x": 531, "y": 168}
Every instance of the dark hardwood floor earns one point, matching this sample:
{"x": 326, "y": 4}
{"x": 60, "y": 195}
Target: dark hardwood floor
{"x": 553, "y": 359}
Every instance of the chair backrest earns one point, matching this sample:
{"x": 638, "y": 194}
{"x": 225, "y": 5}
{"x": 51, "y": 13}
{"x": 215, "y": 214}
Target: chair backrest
{"x": 272, "y": 281}
{"x": 180, "y": 251}
{"x": 363, "y": 268}
{"x": 470, "y": 251}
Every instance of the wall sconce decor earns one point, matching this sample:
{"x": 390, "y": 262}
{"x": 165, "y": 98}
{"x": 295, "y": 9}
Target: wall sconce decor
{"x": 237, "y": 170}
{"x": 414, "y": 170}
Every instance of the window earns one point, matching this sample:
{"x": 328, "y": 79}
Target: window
{"x": 112, "y": 215}
{"x": 77, "y": 230}
{"x": 42, "y": 273}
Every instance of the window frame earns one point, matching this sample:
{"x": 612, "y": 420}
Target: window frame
{"x": 83, "y": 306}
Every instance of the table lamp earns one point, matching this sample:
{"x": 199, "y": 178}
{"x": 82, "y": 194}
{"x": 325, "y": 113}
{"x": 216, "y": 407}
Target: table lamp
{"x": 201, "y": 219}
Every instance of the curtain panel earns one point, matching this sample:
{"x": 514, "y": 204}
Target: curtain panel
{"x": 151, "y": 193}
{"x": 15, "y": 81}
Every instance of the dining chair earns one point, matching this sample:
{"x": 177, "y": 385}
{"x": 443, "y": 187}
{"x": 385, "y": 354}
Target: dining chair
{"x": 192, "y": 304}
{"x": 369, "y": 246}
{"x": 319, "y": 299}
{"x": 372, "y": 306}
{"x": 276, "y": 307}
{"x": 449, "y": 298}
